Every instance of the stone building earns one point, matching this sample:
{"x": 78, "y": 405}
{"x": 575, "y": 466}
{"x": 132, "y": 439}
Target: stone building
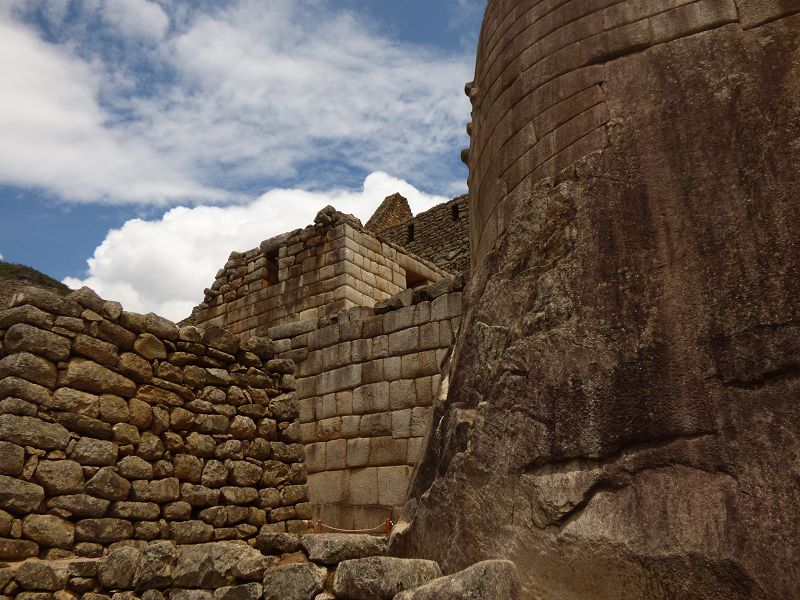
{"x": 367, "y": 314}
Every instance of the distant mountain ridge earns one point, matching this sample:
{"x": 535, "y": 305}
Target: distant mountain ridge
{"x": 14, "y": 277}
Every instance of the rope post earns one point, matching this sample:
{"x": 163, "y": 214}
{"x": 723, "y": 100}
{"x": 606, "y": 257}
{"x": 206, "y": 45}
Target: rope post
{"x": 318, "y": 527}
{"x": 389, "y": 524}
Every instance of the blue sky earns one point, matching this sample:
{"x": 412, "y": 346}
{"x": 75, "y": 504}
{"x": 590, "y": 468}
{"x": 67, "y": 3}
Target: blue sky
{"x": 152, "y": 137}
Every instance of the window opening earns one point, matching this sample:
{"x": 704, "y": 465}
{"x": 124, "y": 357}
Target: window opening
{"x": 272, "y": 267}
{"x": 411, "y": 232}
{"x": 454, "y": 212}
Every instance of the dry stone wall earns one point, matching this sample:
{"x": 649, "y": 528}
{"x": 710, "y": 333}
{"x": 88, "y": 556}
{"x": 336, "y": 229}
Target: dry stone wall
{"x": 309, "y": 273}
{"x": 393, "y": 210}
{"x": 280, "y": 567}
{"x": 117, "y": 426}
{"x": 366, "y": 379}
{"x": 440, "y": 235}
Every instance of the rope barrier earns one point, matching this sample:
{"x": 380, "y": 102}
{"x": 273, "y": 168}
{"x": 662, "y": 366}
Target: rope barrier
{"x": 328, "y": 527}
{"x": 386, "y": 526}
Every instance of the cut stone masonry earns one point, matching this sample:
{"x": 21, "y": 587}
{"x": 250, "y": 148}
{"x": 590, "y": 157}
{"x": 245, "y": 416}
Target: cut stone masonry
{"x": 367, "y": 347}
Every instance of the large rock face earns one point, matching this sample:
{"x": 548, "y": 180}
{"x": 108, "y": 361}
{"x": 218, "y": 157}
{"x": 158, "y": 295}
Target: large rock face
{"x": 622, "y": 418}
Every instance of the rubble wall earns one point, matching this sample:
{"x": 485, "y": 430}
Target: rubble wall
{"x": 366, "y": 379}
{"x": 440, "y": 235}
{"x": 118, "y": 426}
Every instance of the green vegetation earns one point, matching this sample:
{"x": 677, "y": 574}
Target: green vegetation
{"x": 30, "y": 276}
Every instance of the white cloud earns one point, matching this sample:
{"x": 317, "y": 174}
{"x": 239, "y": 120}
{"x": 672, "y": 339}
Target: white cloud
{"x": 137, "y": 17}
{"x": 54, "y": 135}
{"x": 1, "y": 257}
{"x": 232, "y": 96}
{"x": 164, "y": 265}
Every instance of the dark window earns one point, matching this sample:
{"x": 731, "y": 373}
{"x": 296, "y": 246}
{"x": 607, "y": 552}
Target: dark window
{"x": 454, "y": 212}
{"x": 272, "y": 267}
{"x": 411, "y": 232}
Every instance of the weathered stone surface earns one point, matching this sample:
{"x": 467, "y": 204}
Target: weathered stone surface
{"x": 42, "y": 575}
{"x": 487, "y": 580}
{"x": 278, "y": 543}
{"x": 200, "y": 445}
{"x": 23, "y": 389}
{"x": 87, "y": 298}
{"x": 133, "y": 467}
{"x": 80, "y": 505}
{"x": 191, "y": 532}
{"x": 199, "y": 495}
{"x": 154, "y": 570}
{"x": 300, "y": 581}
{"x": 333, "y": 548}
{"x": 220, "y": 339}
{"x": 214, "y": 474}
{"x": 25, "y": 338}
{"x": 382, "y": 577}
{"x": 89, "y": 376}
{"x": 150, "y": 347}
{"x": 16, "y": 406}
{"x": 18, "y": 496}
{"x": 243, "y": 473}
{"x": 108, "y": 484}
{"x": 49, "y": 531}
{"x": 74, "y": 401}
{"x": 135, "y": 367}
{"x": 103, "y": 531}
{"x": 13, "y": 550}
{"x": 92, "y": 452}
{"x": 99, "y": 351}
{"x": 83, "y": 425}
{"x": 59, "y": 477}
{"x": 113, "y": 409}
{"x": 116, "y": 570}
{"x": 208, "y": 565}
{"x": 12, "y": 458}
{"x": 154, "y": 395}
{"x": 6, "y": 523}
{"x": 260, "y": 346}
{"x": 29, "y": 367}
{"x": 30, "y": 431}
{"x": 178, "y": 594}
{"x": 25, "y": 314}
{"x": 135, "y": 511}
{"x": 631, "y": 342}
{"x": 251, "y": 567}
{"x": 160, "y": 327}
{"x": 247, "y": 591}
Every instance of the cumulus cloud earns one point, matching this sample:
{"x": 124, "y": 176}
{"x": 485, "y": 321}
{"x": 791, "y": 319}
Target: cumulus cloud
{"x": 137, "y": 17}
{"x": 207, "y": 101}
{"x": 164, "y": 265}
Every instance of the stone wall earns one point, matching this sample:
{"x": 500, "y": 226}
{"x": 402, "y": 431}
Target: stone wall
{"x": 366, "y": 380}
{"x": 538, "y": 99}
{"x": 440, "y": 235}
{"x": 119, "y": 426}
{"x": 327, "y": 267}
{"x": 393, "y": 210}
{"x": 621, "y": 419}
{"x": 280, "y": 567}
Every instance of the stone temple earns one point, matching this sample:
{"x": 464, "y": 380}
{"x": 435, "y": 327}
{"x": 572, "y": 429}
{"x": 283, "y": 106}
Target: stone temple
{"x": 579, "y": 382}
